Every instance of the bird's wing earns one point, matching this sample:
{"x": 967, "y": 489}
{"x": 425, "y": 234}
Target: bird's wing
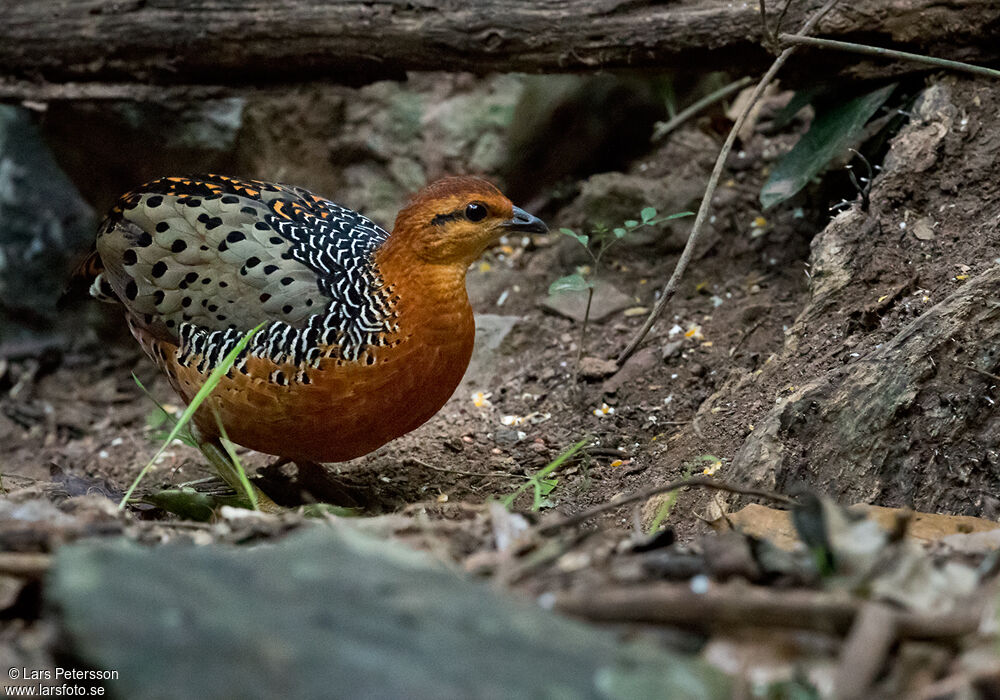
{"x": 190, "y": 256}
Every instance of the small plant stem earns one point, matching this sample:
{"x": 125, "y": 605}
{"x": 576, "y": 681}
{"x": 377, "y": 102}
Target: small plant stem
{"x": 664, "y": 128}
{"x": 536, "y": 478}
{"x": 223, "y": 464}
{"x": 798, "y": 40}
{"x": 241, "y": 473}
{"x": 583, "y": 335}
{"x": 670, "y": 288}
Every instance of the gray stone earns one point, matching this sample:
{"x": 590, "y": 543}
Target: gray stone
{"x": 330, "y": 613}
{"x": 43, "y": 221}
{"x": 491, "y": 329}
{"x": 608, "y": 299}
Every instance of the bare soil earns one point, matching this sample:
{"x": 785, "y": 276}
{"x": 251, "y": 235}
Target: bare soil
{"x": 751, "y": 364}
{"x": 748, "y": 305}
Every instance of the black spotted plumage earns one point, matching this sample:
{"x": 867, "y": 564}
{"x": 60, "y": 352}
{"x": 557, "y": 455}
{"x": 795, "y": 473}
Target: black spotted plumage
{"x": 177, "y": 249}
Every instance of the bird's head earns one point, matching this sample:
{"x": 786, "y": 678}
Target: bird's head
{"x": 452, "y": 221}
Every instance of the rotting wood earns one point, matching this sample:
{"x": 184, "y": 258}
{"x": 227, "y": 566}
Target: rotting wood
{"x": 96, "y": 49}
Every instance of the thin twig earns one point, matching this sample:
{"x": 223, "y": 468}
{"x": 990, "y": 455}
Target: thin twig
{"x": 29, "y": 565}
{"x": 728, "y": 608}
{"x": 792, "y": 40}
{"x": 713, "y": 182}
{"x": 781, "y": 17}
{"x": 865, "y": 650}
{"x": 863, "y": 190}
{"x": 646, "y": 494}
{"x": 664, "y": 128}
{"x": 583, "y": 334}
{"x": 994, "y": 377}
{"x": 421, "y": 463}
{"x": 770, "y": 38}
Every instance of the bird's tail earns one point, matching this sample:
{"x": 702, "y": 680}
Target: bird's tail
{"x": 87, "y": 280}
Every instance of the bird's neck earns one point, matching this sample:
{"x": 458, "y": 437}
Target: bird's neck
{"x": 437, "y": 287}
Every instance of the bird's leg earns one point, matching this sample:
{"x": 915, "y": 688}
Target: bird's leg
{"x": 311, "y": 482}
{"x": 279, "y": 463}
{"x": 224, "y": 467}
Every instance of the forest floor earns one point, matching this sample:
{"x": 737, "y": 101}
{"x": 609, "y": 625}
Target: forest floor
{"x": 777, "y": 310}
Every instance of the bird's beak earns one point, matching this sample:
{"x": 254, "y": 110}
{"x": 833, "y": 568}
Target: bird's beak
{"x": 523, "y": 222}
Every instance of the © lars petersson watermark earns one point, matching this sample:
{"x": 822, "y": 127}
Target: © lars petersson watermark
{"x": 57, "y": 681}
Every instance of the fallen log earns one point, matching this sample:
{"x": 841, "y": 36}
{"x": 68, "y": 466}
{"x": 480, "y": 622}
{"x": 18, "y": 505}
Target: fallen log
{"x": 71, "y": 49}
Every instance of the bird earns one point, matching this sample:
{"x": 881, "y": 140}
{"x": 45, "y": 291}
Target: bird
{"x": 364, "y": 333}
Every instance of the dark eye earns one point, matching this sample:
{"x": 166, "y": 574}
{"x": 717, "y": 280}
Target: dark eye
{"x": 475, "y": 212}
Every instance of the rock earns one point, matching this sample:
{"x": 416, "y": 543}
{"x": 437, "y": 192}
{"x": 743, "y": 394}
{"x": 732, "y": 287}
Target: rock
{"x": 507, "y": 436}
{"x": 638, "y": 366}
{"x": 597, "y": 367}
{"x": 333, "y": 613}
{"x": 45, "y": 224}
{"x": 670, "y": 349}
{"x": 491, "y": 329}
{"x": 608, "y": 299}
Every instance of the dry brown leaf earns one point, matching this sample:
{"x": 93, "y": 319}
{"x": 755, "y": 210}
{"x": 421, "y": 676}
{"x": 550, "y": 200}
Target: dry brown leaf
{"x": 776, "y": 525}
{"x": 763, "y": 522}
{"x": 927, "y": 527}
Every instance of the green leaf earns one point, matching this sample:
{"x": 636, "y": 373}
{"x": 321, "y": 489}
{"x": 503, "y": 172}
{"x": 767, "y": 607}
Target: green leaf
{"x": 671, "y": 217}
{"x": 620, "y": 232}
{"x": 648, "y": 214}
{"x": 795, "y": 105}
{"x": 541, "y": 485}
{"x": 157, "y": 418}
{"x": 545, "y": 486}
{"x": 570, "y": 283}
{"x": 831, "y": 134}
{"x": 579, "y": 237}
{"x": 631, "y": 223}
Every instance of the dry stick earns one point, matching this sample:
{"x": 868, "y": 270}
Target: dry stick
{"x": 994, "y": 377}
{"x": 29, "y": 565}
{"x": 727, "y": 608}
{"x": 865, "y": 650}
{"x": 798, "y": 40}
{"x": 664, "y": 128}
{"x": 426, "y": 465}
{"x": 645, "y": 494}
{"x": 713, "y": 182}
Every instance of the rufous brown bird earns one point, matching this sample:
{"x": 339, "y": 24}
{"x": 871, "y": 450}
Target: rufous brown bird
{"x": 366, "y": 333}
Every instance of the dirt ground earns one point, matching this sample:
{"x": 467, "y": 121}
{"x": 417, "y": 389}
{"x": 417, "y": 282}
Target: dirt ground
{"x": 749, "y": 364}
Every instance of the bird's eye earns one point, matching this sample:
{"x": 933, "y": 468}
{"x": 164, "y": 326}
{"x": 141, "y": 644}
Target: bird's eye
{"x": 475, "y": 211}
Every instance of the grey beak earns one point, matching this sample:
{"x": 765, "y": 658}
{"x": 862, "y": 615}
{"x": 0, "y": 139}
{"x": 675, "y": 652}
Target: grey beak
{"x": 523, "y": 222}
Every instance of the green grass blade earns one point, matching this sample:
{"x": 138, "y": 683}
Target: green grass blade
{"x": 241, "y": 473}
{"x": 537, "y": 481}
{"x": 213, "y": 380}
{"x": 184, "y": 436}
{"x": 663, "y": 512}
